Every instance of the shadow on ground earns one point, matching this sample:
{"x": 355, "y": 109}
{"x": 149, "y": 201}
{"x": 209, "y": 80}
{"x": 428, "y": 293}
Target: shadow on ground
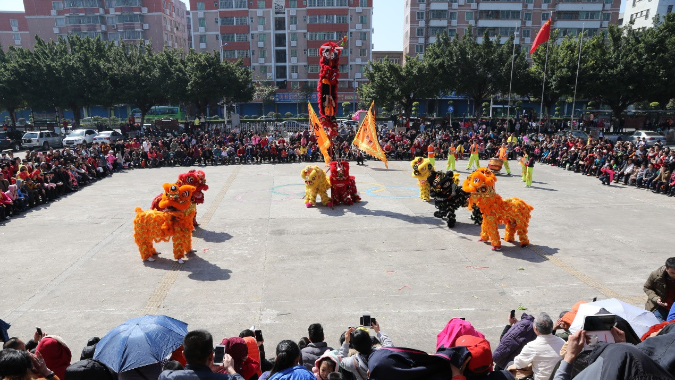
{"x": 198, "y": 268}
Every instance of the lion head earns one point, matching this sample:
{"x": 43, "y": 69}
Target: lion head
{"x": 422, "y": 168}
{"x": 176, "y": 196}
{"x": 482, "y": 181}
{"x": 315, "y": 177}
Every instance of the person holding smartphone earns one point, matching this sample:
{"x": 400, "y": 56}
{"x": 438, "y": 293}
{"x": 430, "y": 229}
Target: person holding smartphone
{"x": 199, "y": 354}
{"x": 660, "y": 290}
{"x": 361, "y": 342}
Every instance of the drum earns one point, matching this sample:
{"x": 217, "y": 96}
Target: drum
{"x": 495, "y": 164}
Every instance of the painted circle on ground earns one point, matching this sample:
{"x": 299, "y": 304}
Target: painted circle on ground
{"x": 374, "y": 190}
{"x": 298, "y": 193}
{"x": 241, "y": 197}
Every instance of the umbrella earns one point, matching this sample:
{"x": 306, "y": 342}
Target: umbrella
{"x": 639, "y": 319}
{"x": 140, "y": 341}
{"x": 4, "y": 326}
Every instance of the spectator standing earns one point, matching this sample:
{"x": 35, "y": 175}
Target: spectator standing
{"x": 660, "y": 290}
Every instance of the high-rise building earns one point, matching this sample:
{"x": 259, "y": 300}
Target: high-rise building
{"x": 280, "y": 39}
{"x": 14, "y": 30}
{"x": 391, "y": 56}
{"x": 161, "y": 22}
{"x": 425, "y": 19}
{"x": 642, "y": 12}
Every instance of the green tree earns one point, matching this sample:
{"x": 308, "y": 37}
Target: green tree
{"x": 264, "y": 91}
{"x": 659, "y": 48}
{"x": 12, "y": 81}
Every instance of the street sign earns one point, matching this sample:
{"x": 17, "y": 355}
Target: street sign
{"x": 451, "y": 109}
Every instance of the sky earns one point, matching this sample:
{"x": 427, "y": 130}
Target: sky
{"x": 387, "y": 21}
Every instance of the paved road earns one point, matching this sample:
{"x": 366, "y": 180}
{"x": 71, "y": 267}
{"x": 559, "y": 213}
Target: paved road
{"x": 263, "y": 259}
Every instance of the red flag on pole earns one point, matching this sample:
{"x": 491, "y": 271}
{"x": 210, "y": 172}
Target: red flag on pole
{"x": 543, "y": 35}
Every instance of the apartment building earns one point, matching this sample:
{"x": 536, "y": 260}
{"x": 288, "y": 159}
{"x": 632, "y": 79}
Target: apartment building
{"x": 280, "y": 39}
{"x": 391, "y": 56}
{"x": 641, "y": 12}
{"x": 425, "y": 19}
{"x": 161, "y": 22}
{"x": 14, "y": 30}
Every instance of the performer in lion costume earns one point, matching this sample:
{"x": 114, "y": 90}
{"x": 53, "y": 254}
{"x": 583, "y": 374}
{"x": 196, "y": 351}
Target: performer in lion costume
{"x": 343, "y": 186}
{"x": 449, "y": 197}
{"x": 422, "y": 168}
{"x": 316, "y": 183}
{"x": 514, "y": 213}
{"x": 174, "y": 222}
{"x": 196, "y": 178}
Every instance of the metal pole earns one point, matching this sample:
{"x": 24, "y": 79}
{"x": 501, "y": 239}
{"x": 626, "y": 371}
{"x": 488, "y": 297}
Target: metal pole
{"x": 513, "y": 54}
{"x": 541, "y": 107}
{"x": 574, "y": 99}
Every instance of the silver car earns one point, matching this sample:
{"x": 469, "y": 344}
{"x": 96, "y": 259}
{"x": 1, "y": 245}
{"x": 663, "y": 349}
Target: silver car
{"x": 42, "y": 139}
{"x": 80, "y": 136}
{"x": 649, "y": 136}
{"x": 109, "y": 137}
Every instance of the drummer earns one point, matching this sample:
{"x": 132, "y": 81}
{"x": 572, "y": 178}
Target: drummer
{"x": 503, "y": 155}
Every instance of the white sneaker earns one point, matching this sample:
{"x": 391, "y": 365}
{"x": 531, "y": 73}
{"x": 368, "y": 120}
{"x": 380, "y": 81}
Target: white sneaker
{"x": 180, "y": 261}
{"x": 150, "y": 259}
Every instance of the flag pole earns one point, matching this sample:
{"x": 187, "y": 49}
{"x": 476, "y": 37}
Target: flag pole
{"x": 541, "y": 107}
{"x": 574, "y": 99}
{"x": 513, "y": 54}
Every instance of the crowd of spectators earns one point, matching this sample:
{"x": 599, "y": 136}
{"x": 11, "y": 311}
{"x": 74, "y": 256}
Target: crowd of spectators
{"x": 42, "y": 177}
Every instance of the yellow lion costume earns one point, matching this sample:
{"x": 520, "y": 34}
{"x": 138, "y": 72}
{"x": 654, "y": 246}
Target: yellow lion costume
{"x": 174, "y": 222}
{"x": 316, "y": 183}
{"x": 422, "y": 168}
{"x": 514, "y": 213}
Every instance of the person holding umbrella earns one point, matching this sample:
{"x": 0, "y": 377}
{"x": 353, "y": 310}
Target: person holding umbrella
{"x": 198, "y": 350}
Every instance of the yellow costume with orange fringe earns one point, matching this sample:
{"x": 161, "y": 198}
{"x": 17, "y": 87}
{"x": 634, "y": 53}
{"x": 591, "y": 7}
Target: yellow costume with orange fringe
{"x": 514, "y": 213}
{"x": 174, "y": 222}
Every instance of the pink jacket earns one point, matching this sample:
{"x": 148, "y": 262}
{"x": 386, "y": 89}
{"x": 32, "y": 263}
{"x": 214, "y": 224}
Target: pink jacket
{"x": 453, "y": 330}
{"x": 5, "y": 199}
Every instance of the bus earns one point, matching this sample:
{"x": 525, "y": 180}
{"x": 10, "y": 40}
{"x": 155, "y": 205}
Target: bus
{"x": 159, "y": 112}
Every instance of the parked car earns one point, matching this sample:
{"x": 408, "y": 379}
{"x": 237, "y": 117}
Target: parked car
{"x": 109, "y": 137}
{"x": 80, "y": 136}
{"x": 42, "y": 139}
{"x": 10, "y": 140}
{"x": 649, "y": 136}
{"x": 575, "y": 134}
{"x": 268, "y": 118}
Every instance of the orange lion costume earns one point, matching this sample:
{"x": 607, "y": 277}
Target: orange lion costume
{"x": 174, "y": 222}
{"x": 514, "y": 213}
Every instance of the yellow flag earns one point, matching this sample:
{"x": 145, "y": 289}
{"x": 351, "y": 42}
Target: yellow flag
{"x": 322, "y": 139}
{"x": 366, "y": 137}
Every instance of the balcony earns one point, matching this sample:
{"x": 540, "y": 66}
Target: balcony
{"x": 577, "y": 24}
{"x": 438, "y": 6}
{"x": 578, "y": 7}
{"x": 441, "y": 23}
{"x": 492, "y": 6}
{"x": 498, "y": 23}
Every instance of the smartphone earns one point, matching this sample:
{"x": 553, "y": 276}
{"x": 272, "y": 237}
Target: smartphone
{"x": 603, "y": 322}
{"x": 258, "y": 335}
{"x": 372, "y": 321}
{"x": 218, "y": 355}
{"x": 365, "y": 320}
{"x": 39, "y": 331}
{"x": 513, "y": 313}
{"x": 462, "y": 318}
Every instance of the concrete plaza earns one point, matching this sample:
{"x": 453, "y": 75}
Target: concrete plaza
{"x": 263, "y": 259}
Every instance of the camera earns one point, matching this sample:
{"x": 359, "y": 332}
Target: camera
{"x": 367, "y": 320}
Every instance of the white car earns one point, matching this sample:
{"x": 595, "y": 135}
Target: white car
{"x": 649, "y": 136}
{"x": 41, "y": 139}
{"x": 109, "y": 137}
{"x": 80, "y": 136}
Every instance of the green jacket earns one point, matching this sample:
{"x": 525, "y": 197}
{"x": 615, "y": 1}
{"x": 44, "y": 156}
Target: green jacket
{"x": 655, "y": 288}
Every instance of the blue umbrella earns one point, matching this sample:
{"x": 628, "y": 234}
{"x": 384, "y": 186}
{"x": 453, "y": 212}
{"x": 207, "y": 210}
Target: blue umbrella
{"x": 140, "y": 341}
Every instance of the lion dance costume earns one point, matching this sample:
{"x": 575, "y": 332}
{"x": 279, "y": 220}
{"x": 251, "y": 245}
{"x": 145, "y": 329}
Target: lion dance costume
{"x": 422, "y": 169}
{"x": 196, "y": 178}
{"x": 329, "y": 74}
{"x": 342, "y": 185}
{"x": 514, "y": 213}
{"x": 174, "y": 222}
{"x": 449, "y": 197}
{"x": 316, "y": 184}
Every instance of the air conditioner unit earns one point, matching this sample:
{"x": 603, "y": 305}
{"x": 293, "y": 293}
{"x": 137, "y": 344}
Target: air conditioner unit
{"x": 200, "y": 14}
{"x": 359, "y": 43}
{"x": 527, "y": 40}
{"x": 202, "y": 45}
{"x": 147, "y": 42}
{"x": 269, "y": 76}
{"x": 261, "y": 28}
{"x": 293, "y": 27}
{"x": 472, "y": 22}
{"x": 101, "y": 11}
{"x": 53, "y": 12}
{"x": 358, "y": 60}
{"x": 56, "y": 30}
{"x": 117, "y": 43}
{"x": 144, "y": 10}
{"x": 261, "y": 60}
{"x": 359, "y": 26}
{"x": 260, "y": 12}
{"x": 294, "y": 75}
{"x": 146, "y": 26}
{"x": 357, "y": 76}
{"x": 293, "y": 12}
{"x": 528, "y": 23}
{"x": 474, "y": 6}
{"x": 453, "y": 22}
{"x": 294, "y": 59}
{"x": 294, "y": 43}
{"x": 359, "y": 9}
{"x": 422, "y": 23}
{"x": 104, "y": 28}
{"x": 261, "y": 44}
{"x": 544, "y": 6}
{"x": 455, "y": 6}
{"x": 202, "y": 29}
{"x": 17, "y": 42}
{"x": 113, "y": 26}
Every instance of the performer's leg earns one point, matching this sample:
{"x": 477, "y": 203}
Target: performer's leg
{"x": 529, "y": 176}
{"x": 506, "y": 165}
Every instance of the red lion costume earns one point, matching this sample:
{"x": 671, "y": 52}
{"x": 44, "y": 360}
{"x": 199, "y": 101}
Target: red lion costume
{"x": 328, "y": 84}
{"x": 343, "y": 186}
{"x": 196, "y": 178}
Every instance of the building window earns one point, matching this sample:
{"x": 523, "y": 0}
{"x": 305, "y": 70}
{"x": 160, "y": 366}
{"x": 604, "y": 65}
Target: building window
{"x": 57, "y": 5}
{"x": 419, "y": 49}
{"x": 261, "y": 4}
{"x": 438, "y": 14}
{"x": 419, "y": 32}
{"x": 294, "y": 36}
{"x": 546, "y": 1}
{"x": 607, "y": 16}
{"x": 294, "y": 69}
{"x": 14, "y": 23}
{"x": 451, "y": 33}
{"x": 295, "y": 85}
{"x": 293, "y": 4}
{"x": 545, "y": 16}
{"x": 452, "y": 16}
{"x": 293, "y": 20}
{"x": 313, "y": 69}
{"x": 202, "y": 39}
{"x": 261, "y": 20}
{"x": 363, "y": 20}
{"x": 200, "y": 5}
{"x": 670, "y": 9}
{"x": 294, "y": 53}
{"x": 363, "y": 3}
{"x": 202, "y": 22}
{"x": 312, "y": 52}
{"x": 363, "y": 36}
{"x": 230, "y": 4}
{"x": 262, "y": 53}
{"x": 468, "y": 16}
{"x": 61, "y": 21}
{"x": 609, "y": 1}
{"x": 528, "y": 16}
{"x": 529, "y": 1}
{"x": 363, "y": 52}
{"x": 526, "y": 33}
{"x": 263, "y": 70}
{"x": 262, "y": 37}
{"x": 420, "y": 15}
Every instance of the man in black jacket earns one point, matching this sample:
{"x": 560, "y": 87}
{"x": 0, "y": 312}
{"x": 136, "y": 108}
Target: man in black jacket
{"x": 316, "y": 347}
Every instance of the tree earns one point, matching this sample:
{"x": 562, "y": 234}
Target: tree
{"x": 396, "y": 86}
{"x": 659, "y": 47}
{"x": 12, "y": 81}
{"x": 264, "y": 91}
{"x": 478, "y": 70}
